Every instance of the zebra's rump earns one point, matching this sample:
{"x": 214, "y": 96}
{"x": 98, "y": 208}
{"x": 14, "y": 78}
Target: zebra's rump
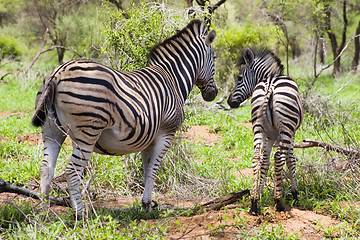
{"x": 276, "y": 106}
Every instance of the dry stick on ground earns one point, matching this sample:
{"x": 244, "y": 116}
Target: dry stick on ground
{"x": 7, "y": 187}
{"x": 228, "y": 199}
{"x": 311, "y": 143}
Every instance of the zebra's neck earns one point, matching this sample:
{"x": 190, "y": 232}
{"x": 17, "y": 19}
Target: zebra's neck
{"x": 181, "y": 71}
{"x": 180, "y": 56}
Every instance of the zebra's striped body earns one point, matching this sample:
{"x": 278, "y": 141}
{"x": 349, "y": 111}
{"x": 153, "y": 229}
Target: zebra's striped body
{"x": 276, "y": 115}
{"x": 112, "y": 112}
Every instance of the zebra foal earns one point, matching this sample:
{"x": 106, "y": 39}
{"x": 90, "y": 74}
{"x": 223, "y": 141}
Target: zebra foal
{"x": 113, "y": 112}
{"x": 276, "y": 114}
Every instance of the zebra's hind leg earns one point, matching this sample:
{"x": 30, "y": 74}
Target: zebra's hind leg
{"x": 265, "y": 163}
{"x": 255, "y": 190}
{"x": 152, "y": 157}
{"x": 280, "y": 158}
{"x": 261, "y": 166}
{"x": 53, "y": 138}
{"x": 291, "y": 164}
{"x": 74, "y": 171}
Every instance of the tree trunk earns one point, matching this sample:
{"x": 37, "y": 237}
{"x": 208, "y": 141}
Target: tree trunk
{"x": 334, "y": 46}
{"x": 355, "y": 61}
{"x": 189, "y": 3}
{"x": 321, "y": 49}
{"x": 333, "y": 42}
{"x": 61, "y": 53}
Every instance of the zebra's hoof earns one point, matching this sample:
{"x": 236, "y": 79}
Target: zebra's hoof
{"x": 279, "y": 206}
{"x": 149, "y": 206}
{"x": 295, "y": 195}
{"x": 254, "y": 208}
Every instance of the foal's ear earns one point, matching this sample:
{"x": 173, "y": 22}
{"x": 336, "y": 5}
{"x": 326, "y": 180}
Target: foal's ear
{"x": 210, "y": 37}
{"x": 248, "y": 56}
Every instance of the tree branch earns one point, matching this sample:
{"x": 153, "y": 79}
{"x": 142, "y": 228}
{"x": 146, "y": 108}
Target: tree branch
{"x": 230, "y": 198}
{"x": 329, "y": 147}
{"x": 329, "y": 65}
{"x": 38, "y": 54}
{"x": 8, "y": 187}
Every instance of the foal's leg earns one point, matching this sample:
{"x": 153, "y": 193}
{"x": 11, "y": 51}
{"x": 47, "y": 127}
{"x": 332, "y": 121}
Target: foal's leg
{"x": 291, "y": 164}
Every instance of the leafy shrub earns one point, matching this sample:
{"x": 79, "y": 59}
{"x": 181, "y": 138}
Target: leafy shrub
{"x": 232, "y": 40}
{"x": 9, "y": 47}
{"x": 131, "y": 35}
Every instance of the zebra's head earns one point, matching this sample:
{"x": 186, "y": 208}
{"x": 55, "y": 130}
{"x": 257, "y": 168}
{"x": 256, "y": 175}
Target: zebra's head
{"x": 256, "y": 67}
{"x": 205, "y": 80}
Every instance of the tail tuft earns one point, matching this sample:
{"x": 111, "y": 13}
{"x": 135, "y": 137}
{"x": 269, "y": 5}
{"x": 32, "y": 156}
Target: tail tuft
{"x": 43, "y": 105}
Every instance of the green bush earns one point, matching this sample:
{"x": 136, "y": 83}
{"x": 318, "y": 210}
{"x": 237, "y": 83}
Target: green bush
{"x": 232, "y": 40}
{"x": 9, "y": 47}
{"x": 130, "y": 36}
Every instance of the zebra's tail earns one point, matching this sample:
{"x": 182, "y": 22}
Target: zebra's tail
{"x": 267, "y": 111}
{"x": 43, "y": 103}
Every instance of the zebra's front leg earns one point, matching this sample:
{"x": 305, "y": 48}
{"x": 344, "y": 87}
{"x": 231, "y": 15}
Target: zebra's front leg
{"x": 152, "y": 157}
{"x": 74, "y": 171}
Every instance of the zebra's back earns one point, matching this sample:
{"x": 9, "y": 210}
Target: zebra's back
{"x": 125, "y": 108}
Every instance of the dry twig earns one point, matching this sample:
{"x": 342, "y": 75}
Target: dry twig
{"x": 8, "y": 187}
{"x": 328, "y": 146}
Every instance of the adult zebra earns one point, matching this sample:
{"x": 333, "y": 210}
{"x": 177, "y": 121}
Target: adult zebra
{"x": 112, "y": 112}
{"x": 276, "y": 114}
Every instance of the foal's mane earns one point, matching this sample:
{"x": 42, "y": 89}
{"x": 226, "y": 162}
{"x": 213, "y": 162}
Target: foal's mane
{"x": 265, "y": 54}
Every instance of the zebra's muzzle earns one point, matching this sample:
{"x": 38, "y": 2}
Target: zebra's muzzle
{"x": 210, "y": 94}
{"x": 233, "y": 103}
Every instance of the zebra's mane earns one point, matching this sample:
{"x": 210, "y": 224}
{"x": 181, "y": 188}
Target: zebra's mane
{"x": 196, "y": 26}
{"x": 265, "y": 55}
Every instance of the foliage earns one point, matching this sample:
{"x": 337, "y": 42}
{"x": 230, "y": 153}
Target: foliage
{"x": 232, "y": 40}
{"x": 9, "y": 47}
{"x": 131, "y": 35}
{"x": 9, "y": 9}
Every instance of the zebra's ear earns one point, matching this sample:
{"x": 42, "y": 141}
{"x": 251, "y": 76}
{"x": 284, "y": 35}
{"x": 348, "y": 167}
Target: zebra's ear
{"x": 210, "y": 37}
{"x": 248, "y": 56}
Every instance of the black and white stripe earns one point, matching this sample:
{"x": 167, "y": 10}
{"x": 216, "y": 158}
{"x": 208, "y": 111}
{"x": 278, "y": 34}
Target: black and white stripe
{"x": 112, "y": 112}
{"x": 276, "y": 112}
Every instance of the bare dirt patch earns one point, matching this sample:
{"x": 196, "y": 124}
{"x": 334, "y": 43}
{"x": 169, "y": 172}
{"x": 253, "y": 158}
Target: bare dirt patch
{"x": 246, "y": 124}
{"x": 201, "y": 134}
{"x": 10, "y": 114}
{"x": 246, "y": 172}
{"x": 31, "y": 139}
{"x": 232, "y": 223}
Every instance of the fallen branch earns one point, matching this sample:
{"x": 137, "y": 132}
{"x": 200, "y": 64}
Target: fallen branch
{"x": 8, "y": 187}
{"x": 228, "y": 199}
{"x": 329, "y": 147}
